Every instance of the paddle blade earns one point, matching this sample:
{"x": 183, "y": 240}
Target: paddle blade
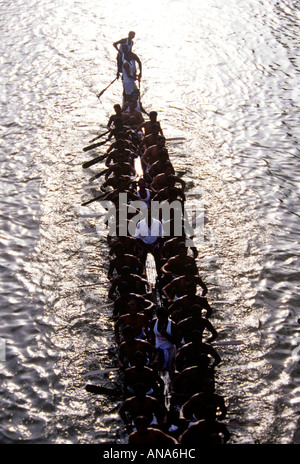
{"x": 89, "y": 163}
{"x": 98, "y": 390}
{"x": 94, "y": 145}
{"x": 93, "y": 199}
{"x": 99, "y": 136}
{"x": 102, "y": 91}
{"x": 95, "y": 177}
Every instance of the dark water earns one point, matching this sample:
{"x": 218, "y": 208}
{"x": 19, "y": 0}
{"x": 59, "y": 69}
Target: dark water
{"x": 225, "y": 76}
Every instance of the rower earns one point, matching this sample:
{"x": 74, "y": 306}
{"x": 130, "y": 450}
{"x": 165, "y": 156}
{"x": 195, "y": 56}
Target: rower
{"x": 117, "y": 115}
{"x": 162, "y": 180}
{"x": 124, "y": 136}
{"x": 152, "y": 153}
{"x": 150, "y": 139}
{"x": 177, "y": 287}
{"x": 181, "y": 308}
{"x": 205, "y": 432}
{"x": 118, "y": 127}
{"x": 126, "y": 168}
{"x": 170, "y": 193}
{"x": 120, "y": 153}
{"x": 130, "y": 245}
{"x": 144, "y": 193}
{"x": 124, "y": 132}
{"x": 176, "y": 265}
{"x": 130, "y": 346}
{"x": 140, "y": 373}
{"x": 138, "y": 321}
{"x": 170, "y": 247}
{"x": 160, "y": 165}
{"x": 121, "y": 303}
{"x": 194, "y": 408}
{"x": 148, "y": 436}
{"x": 122, "y": 259}
{"x": 119, "y": 203}
{"x": 190, "y": 381}
{"x": 135, "y": 283}
{"x": 113, "y": 182}
{"x": 142, "y": 404}
{"x": 135, "y": 117}
{"x": 196, "y": 322}
{"x": 190, "y": 353}
{"x": 148, "y": 127}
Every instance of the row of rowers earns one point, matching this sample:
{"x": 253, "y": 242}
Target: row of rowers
{"x": 135, "y": 137}
{"x": 167, "y": 337}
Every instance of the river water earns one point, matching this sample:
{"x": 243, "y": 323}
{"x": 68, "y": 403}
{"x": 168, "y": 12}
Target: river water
{"x": 225, "y": 77}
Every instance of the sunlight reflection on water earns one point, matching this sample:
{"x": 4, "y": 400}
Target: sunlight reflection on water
{"x": 225, "y": 81}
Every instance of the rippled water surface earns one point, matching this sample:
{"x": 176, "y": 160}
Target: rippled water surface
{"x": 223, "y": 75}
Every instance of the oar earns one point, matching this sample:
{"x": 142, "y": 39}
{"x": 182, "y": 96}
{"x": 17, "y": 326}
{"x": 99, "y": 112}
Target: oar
{"x": 98, "y": 389}
{"x": 98, "y": 136}
{"x": 95, "y": 177}
{"x": 89, "y": 163}
{"x": 141, "y": 106}
{"x": 101, "y": 371}
{"x": 93, "y": 199}
{"x": 102, "y": 91}
{"x": 175, "y": 139}
{"x": 102, "y": 172}
{"x": 228, "y": 343}
{"x": 94, "y": 145}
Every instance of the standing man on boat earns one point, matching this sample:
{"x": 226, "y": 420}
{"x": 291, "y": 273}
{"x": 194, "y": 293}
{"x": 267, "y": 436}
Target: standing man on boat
{"x": 129, "y": 74}
{"x": 119, "y": 46}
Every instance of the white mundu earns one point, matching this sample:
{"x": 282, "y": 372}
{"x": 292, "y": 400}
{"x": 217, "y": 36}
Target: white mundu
{"x": 128, "y": 82}
{"x": 148, "y": 234}
{"x": 162, "y": 343}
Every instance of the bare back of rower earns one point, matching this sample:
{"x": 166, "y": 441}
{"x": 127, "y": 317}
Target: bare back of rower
{"x": 151, "y": 155}
{"x": 178, "y": 286}
{"x": 138, "y": 321}
{"x": 130, "y": 346}
{"x": 148, "y": 436}
{"x": 175, "y": 265}
{"x": 147, "y": 406}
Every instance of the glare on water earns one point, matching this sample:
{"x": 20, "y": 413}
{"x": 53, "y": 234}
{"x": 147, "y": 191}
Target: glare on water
{"x": 224, "y": 77}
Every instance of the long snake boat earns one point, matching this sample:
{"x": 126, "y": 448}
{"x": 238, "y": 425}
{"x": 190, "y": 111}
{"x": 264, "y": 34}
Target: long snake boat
{"x": 165, "y": 340}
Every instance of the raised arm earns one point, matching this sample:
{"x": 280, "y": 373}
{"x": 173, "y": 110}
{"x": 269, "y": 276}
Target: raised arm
{"x": 119, "y": 42}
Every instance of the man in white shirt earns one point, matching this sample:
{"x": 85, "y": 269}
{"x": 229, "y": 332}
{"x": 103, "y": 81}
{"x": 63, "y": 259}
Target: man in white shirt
{"x": 120, "y": 46}
{"x": 150, "y": 231}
